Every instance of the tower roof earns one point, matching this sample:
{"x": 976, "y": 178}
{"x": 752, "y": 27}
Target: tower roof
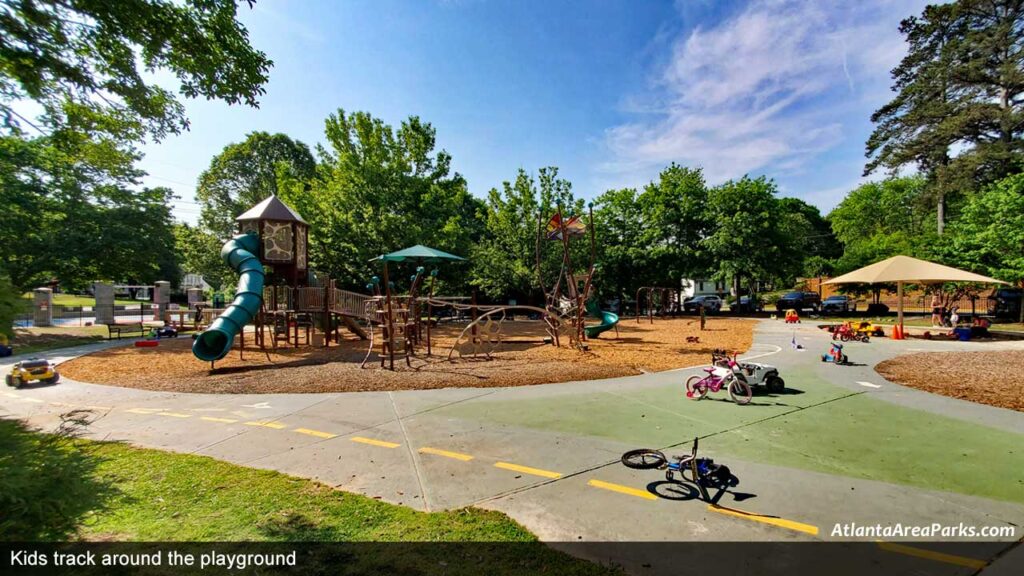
{"x": 271, "y": 208}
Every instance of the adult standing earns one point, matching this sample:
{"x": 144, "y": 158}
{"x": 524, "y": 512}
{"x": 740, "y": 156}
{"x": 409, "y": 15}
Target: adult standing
{"x": 936, "y": 309}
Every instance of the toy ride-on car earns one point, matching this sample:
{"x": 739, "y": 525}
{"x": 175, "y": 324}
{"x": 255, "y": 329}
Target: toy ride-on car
{"x": 30, "y": 370}
{"x": 835, "y": 355}
{"x": 753, "y": 373}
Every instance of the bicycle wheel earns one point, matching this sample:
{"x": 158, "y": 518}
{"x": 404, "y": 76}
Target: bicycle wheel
{"x": 696, "y": 387}
{"x": 740, "y": 391}
{"x": 643, "y": 459}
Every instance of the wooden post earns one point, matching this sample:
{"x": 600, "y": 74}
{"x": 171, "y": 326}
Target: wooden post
{"x": 389, "y": 321}
{"x": 430, "y": 310}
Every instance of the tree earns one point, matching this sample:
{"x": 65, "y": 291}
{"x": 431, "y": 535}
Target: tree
{"x": 814, "y": 242}
{"x": 65, "y": 219}
{"x": 200, "y": 254}
{"x": 377, "y": 190}
{"x": 505, "y": 260}
{"x": 245, "y": 173}
{"x": 989, "y": 235}
{"x": 747, "y": 240}
{"x": 624, "y": 256}
{"x": 881, "y": 219}
{"x": 675, "y": 210}
{"x": 957, "y": 115}
{"x": 78, "y": 58}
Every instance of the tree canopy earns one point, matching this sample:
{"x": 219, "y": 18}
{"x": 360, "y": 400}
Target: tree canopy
{"x": 245, "y": 173}
{"x": 957, "y": 115}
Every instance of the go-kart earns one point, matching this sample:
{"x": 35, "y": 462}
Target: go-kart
{"x": 32, "y": 369}
{"x": 753, "y": 373}
{"x": 847, "y": 331}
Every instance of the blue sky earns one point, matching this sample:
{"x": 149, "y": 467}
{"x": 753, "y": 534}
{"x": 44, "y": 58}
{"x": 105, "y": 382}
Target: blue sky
{"x": 610, "y": 92}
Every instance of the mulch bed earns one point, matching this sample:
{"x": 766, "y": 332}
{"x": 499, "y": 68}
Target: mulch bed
{"x": 992, "y": 378}
{"x": 640, "y": 348}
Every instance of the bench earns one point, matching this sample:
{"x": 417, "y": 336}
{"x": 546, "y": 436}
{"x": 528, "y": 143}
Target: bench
{"x": 126, "y": 327}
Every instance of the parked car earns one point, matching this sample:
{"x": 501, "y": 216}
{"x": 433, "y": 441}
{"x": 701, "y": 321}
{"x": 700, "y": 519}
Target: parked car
{"x": 747, "y": 304}
{"x": 711, "y": 303}
{"x": 1005, "y": 303}
{"x": 839, "y": 303}
{"x": 799, "y": 301}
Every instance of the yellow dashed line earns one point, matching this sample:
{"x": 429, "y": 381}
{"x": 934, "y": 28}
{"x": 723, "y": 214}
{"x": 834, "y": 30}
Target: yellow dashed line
{"x": 143, "y": 410}
{"x": 11, "y": 395}
{"x": 780, "y": 522}
{"x": 527, "y": 470}
{"x": 274, "y": 425}
{"x": 222, "y": 420}
{"x": 373, "y": 442}
{"x": 316, "y": 433}
{"x": 446, "y": 454}
{"x": 174, "y": 414}
{"x": 933, "y": 555}
{"x": 36, "y": 400}
{"x": 622, "y": 489}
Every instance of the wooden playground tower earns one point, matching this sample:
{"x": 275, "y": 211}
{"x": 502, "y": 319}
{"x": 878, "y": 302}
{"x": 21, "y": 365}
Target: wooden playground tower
{"x": 294, "y": 298}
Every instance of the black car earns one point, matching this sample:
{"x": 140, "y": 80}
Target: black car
{"x": 1005, "y": 303}
{"x": 799, "y": 301}
{"x": 839, "y": 303}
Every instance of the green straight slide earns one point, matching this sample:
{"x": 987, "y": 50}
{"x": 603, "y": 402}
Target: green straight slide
{"x": 608, "y": 319}
{"x": 214, "y": 343}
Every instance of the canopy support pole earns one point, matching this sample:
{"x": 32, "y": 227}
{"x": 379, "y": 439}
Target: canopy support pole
{"x": 899, "y": 305}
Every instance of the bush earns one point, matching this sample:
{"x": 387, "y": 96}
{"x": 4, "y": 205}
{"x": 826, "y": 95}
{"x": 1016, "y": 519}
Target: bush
{"x": 10, "y": 304}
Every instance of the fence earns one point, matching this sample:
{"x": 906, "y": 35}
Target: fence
{"x": 86, "y": 315}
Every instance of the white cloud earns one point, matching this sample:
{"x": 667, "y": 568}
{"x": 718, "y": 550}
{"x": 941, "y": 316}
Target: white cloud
{"x": 765, "y": 90}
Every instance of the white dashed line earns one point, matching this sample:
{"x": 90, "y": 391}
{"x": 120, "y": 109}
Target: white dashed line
{"x": 868, "y": 384}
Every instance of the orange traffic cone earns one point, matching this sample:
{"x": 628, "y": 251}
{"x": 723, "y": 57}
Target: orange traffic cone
{"x": 897, "y": 332}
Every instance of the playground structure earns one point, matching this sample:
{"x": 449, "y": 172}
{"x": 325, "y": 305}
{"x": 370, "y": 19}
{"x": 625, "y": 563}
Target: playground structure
{"x": 290, "y": 299}
{"x": 659, "y": 301}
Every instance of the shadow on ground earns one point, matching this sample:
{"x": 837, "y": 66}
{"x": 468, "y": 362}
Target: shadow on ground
{"x": 48, "y": 481}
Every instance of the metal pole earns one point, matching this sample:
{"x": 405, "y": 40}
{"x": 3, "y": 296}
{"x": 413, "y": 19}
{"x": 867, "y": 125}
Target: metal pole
{"x": 389, "y": 322}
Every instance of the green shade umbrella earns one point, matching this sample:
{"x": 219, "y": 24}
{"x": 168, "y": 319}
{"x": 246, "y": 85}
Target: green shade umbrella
{"x": 418, "y": 252}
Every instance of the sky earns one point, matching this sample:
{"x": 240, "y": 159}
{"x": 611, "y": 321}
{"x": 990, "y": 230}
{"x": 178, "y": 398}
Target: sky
{"x": 610, "y": 92}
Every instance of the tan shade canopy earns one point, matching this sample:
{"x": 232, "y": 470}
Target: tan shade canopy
{"x": 911, "y": 271}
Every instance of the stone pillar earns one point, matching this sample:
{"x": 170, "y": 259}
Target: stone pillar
{"x": 42, "y": 307}
{"x": 195, "y": 295}
{"x": 103, "y": 309}
{"x": 161, "y": 299}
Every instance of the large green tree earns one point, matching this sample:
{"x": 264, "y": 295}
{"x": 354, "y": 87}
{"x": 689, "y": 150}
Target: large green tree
{"x": 86, "y": 58}
{"x": 675, "y": 208}
{"x": 957, "y": 115}
{"x": 378, "y": 189}
{"x": 989, "y": 234}
{"x": 505, "y": 260}
{"x": 881, "y": 219}
{"x": 625, "y": 259}
{"x": 245, "y": 173}
{"x": 200, "y": 254}
{"x": 751, "y": 237}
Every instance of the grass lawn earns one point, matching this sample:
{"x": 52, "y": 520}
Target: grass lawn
{"x": 74, "y": 300}
{"x": 59, "y": 488}
{"x": 40, "y": 339}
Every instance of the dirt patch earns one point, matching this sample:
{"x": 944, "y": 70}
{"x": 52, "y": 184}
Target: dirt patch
{"x": 982, "y": 377}
{"x": 523, "y": 360}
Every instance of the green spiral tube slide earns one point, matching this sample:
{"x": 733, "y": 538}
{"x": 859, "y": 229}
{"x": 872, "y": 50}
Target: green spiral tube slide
{"x": 214, "y": 343}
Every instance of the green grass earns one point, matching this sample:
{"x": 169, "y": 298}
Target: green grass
{"x": 59, "y": 488}
{"x": 41, "y": 339}
{"x": 73, "y": 300}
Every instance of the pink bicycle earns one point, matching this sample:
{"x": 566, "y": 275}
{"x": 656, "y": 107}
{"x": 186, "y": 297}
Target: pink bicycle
{"x": 718, "y": 377}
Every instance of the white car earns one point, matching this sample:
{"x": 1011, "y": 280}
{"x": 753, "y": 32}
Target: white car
{"x": 711, "y": 303}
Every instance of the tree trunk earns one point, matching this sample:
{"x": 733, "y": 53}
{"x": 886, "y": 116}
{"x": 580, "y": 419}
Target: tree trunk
{"x": 940, "y": 212}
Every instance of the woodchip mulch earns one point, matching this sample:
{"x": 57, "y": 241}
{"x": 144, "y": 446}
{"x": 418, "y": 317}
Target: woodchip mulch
{"x": 521, "y": 361}
{"x": 993, "y": 378}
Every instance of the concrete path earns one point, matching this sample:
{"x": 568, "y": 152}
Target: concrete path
{"x": 843, "y": 447}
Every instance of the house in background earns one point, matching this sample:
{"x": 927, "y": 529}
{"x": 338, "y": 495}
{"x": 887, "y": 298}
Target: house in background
{"x": 194, "y": 281}
{"x": 704, "y": 287}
